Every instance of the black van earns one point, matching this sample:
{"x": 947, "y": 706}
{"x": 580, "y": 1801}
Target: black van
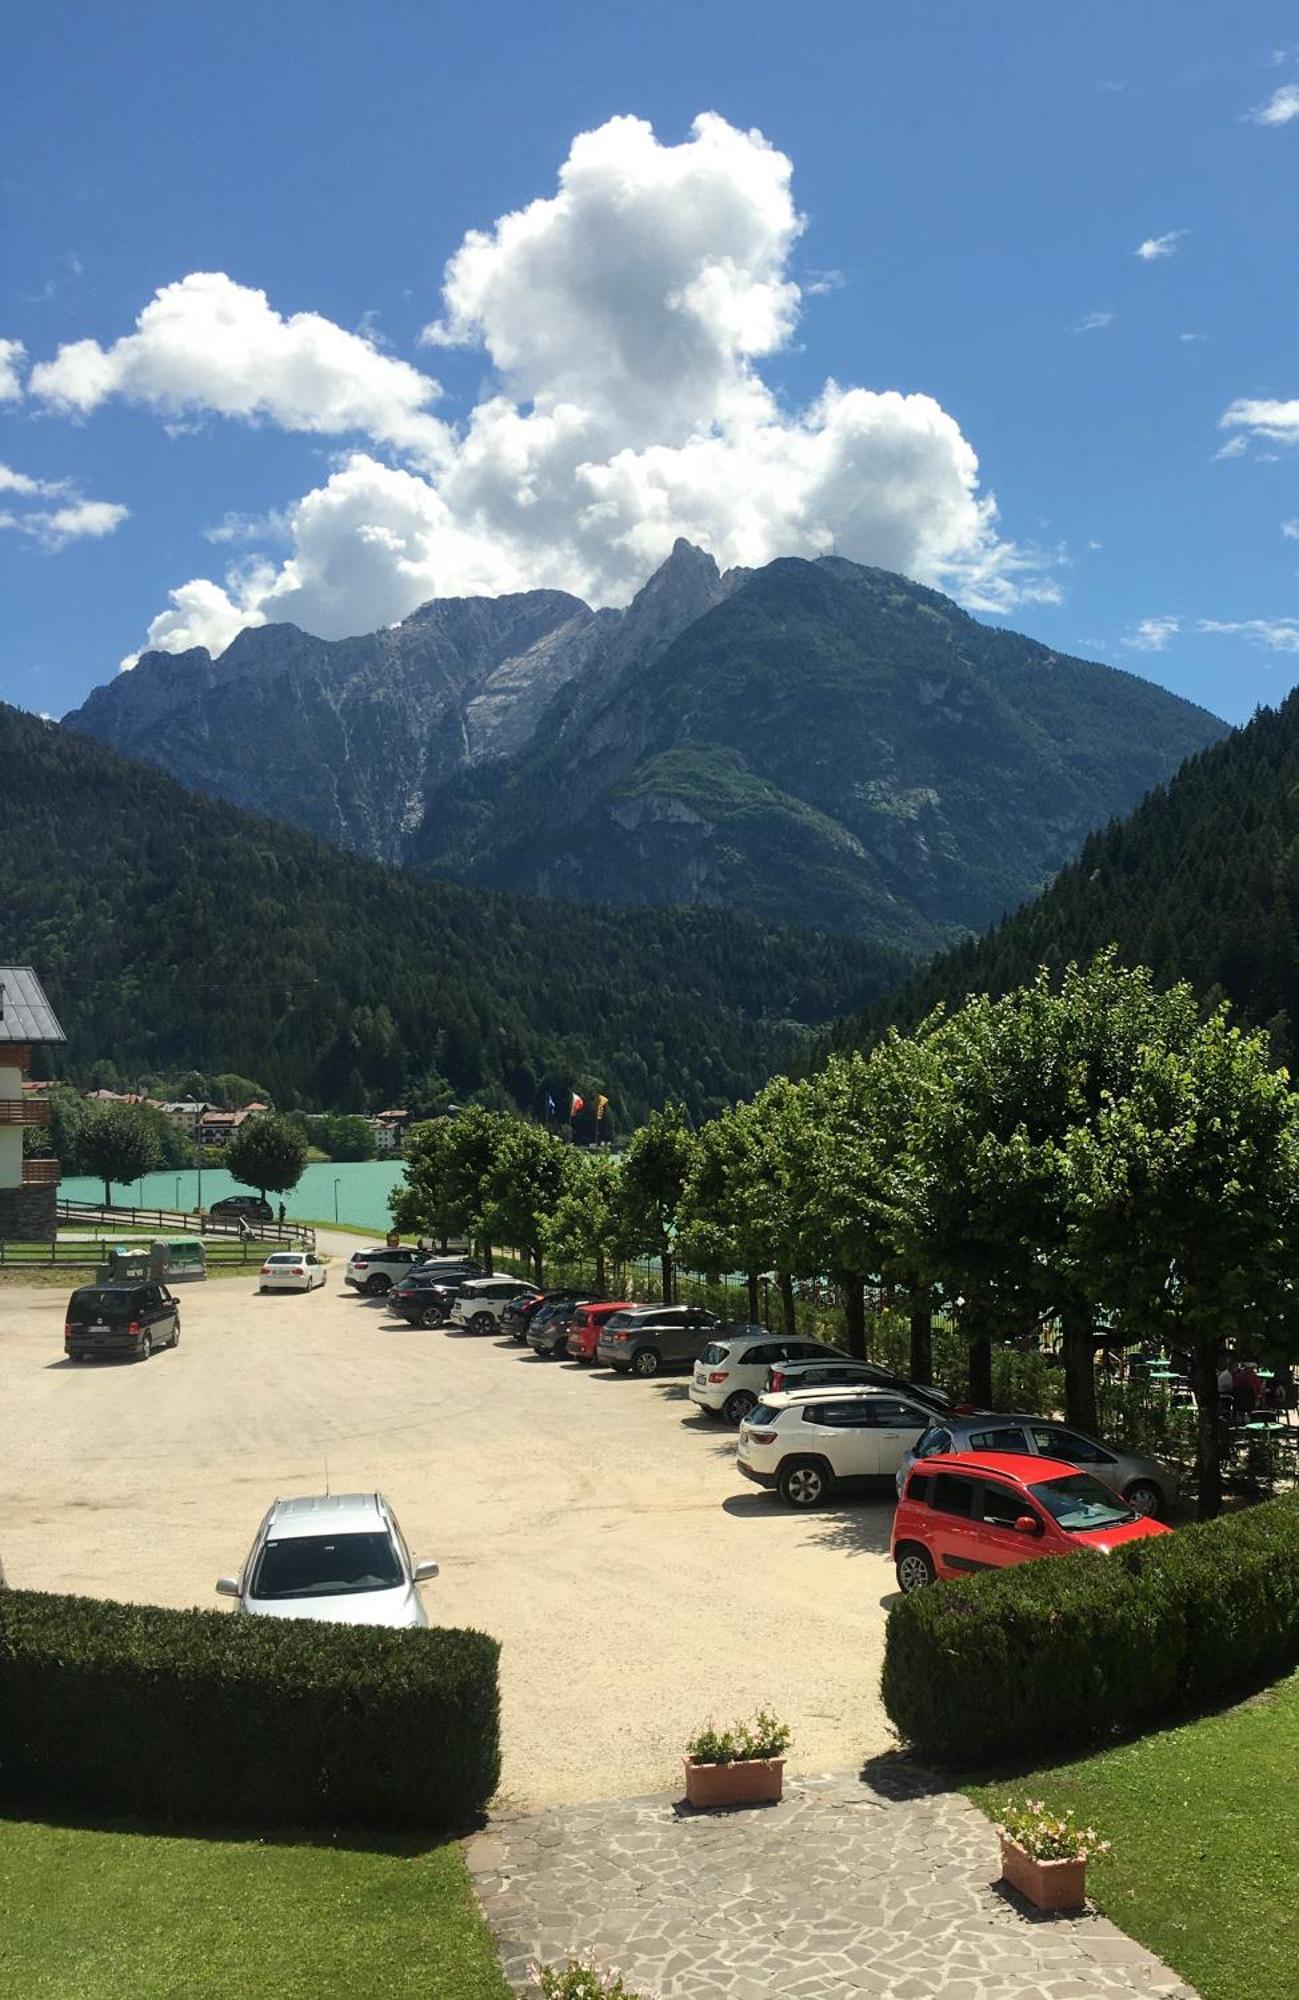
{"x": 123, "y": 1319}
{"x": 253, "y": 1207}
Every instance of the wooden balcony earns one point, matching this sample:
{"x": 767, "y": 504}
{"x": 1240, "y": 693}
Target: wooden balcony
{"x": 25, "y": 1111}
{"x": 40, "y": 1173}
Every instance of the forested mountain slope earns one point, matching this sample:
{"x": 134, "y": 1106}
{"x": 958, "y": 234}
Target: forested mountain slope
{"x": 176, "y": 932}
{"x": 1201, "y": 882}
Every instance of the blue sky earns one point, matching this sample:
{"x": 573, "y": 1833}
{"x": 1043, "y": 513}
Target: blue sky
{"x": 942, "y": 218}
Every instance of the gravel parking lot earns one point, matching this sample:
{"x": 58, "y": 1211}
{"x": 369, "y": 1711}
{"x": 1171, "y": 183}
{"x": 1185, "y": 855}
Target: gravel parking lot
{"x": 596, "y": 1525}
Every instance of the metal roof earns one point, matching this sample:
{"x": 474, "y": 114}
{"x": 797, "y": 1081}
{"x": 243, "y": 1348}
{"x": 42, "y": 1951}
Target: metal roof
{"x": 25, "y": 1014}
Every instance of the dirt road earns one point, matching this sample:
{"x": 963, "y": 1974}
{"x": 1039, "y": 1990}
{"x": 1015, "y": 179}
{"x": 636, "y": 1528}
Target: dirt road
{"x": 596, "y": 1525}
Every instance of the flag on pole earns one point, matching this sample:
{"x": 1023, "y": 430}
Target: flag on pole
{"x": 575, "y": 1104}
{"x": 600, "y": 1104}
{"x": 551, "y": 1106}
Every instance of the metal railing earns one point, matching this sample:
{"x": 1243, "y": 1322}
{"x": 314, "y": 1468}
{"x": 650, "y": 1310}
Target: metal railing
{"x": 176, "y": 1222}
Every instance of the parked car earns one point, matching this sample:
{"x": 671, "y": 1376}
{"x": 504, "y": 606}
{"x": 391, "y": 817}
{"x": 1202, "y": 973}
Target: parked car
{"x": 251, "y": 1207}
{"x": 339, "y": 1557}
{"x": 733, "y": 1371}
{"x": 548, "y": 1328}
{"x": 425, "y": 1298}
{"x": 376, "y": 1271}
{"x": 587, "y": 1323}
{"x": 291, "y": 1271}
{"x": 807, "y": 1443}
{"x": 449, "y": 1268}
{"x": 123, "y": 1319}
{"x": 518, "y": 1314}
{"x": 968, "y": 1512}
{"x": 842, "y": 1372}
{"x": 1146, "y": 1485}
{"x": 644, "y": 1339}
{"x": 480, "y": 1303}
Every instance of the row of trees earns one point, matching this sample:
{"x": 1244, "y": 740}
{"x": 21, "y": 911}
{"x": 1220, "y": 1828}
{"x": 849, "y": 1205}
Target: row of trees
{"x": 123, "y": 1142}
{"x": 1093, "y": 1153}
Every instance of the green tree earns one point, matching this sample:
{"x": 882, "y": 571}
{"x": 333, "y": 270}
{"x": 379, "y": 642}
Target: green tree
{"x": 522, "y": 1187}
{"x": 655, "y": 1168}
{"x": 118, "y": 1144}
{"x": 448, "y": 1184}
{"x": 267, "y": 1152}
{"x": 581, "y": 1226}
{"x": 1189, "y": 1209}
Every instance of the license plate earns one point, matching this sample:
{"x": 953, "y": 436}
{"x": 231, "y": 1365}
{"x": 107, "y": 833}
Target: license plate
{"x": 99, "y": 1326}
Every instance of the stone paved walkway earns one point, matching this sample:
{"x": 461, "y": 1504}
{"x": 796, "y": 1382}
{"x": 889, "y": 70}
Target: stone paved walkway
{"x": 852, "y": 1887}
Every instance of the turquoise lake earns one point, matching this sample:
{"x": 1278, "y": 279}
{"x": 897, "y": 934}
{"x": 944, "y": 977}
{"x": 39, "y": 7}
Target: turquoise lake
{"x": 356, "y": 1192}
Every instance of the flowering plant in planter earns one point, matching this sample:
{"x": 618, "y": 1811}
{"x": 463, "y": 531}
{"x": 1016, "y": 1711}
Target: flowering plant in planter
{"x": 743, "y": 1765}
{"x": 581, "y": 1979}
{"x": 1044, "y": 1855}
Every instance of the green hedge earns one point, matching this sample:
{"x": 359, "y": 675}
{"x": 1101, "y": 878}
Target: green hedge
{"x": 200, "y": 1716}
{"x": 1055, "y": 1655}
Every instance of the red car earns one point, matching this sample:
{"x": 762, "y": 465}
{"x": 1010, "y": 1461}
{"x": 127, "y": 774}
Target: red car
{"x": 971, "y": 1511}
{"x": 584, "y": 1328}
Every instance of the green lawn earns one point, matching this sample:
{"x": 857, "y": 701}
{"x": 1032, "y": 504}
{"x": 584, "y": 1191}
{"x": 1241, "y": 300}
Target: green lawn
{"x": 1205, "y": 1867}
{"x": 122, "y": 1915}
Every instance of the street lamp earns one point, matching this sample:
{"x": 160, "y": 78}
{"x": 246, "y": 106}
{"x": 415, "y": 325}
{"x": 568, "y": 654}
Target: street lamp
{"x": 336, "y": 1198}
{"x": 178, "y": 1192}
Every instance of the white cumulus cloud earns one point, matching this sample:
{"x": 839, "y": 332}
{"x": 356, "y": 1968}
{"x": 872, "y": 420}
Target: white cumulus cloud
{"x": 626, "y": 318}
{"x": 12, "y": 356}
{"x": 1259, "y": 417}
{"x": 1152, "y": 635}
{"x": 1155, "y": 247}
{"x": 1274, "y": 635}
{"x": 1281, "y": 107}
{"x": 76, "y": 520}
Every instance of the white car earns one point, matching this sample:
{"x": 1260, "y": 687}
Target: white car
{"x": 334, "y": 1556}
{"x": 376, "y": 1271}
{"x": 291, "y": 1271}
{"x": 805, "y": 1442}
{"x": 481, "y": 1302}
{"x": 731, "y": 1373}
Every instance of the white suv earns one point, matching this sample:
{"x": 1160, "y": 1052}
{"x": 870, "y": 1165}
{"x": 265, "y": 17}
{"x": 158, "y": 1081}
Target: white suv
{"x": 805, "y": 1442}
{"x": 480, "y": 1303}
{"x": 376, "y": 1271}
{"x": 731, "y": 1373}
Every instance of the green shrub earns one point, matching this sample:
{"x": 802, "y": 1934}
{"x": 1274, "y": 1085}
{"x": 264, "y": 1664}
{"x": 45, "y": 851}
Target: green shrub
{"x": 1055, "y": 1655}
{"x": 199, "y": 1716}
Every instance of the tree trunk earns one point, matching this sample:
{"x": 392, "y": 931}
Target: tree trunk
{"x": 108, "y": 1194}
{"x": 599, "y": 1272}
{"x": 854, "y": 1314}
{"x": 751, "y": 1282}
{"x": 785, "y": 1286}
{"x": 486, "y": 1254}
{"x": 666, "y": 1263}
{"x": 922, "y": 1338}
{"x": 1208, "y": 1460}
{"x": 1079, "y": 1336}
{"x": 538, "y": 1270}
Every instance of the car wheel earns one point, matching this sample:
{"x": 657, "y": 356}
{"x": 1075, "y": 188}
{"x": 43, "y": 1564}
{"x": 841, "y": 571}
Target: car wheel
{"x": 915, "y": 1569}
{"x": 145, "y": 1349}
{"x": 377, "y": 1285}
{"x": 482, "y": 1323}
{"x": 803, "y": 1483}
{"x": 428, "y": 1319}
{"x": 645, "y": 1362}
{"x": 736, "y": 1408}
{"x": 175, "y": 1336}
{"x": 1144, "y": 1497}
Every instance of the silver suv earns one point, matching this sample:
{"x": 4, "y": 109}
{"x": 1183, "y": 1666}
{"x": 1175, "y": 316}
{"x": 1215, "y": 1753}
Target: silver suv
{"x": 480, "y": 1304}
{"x": 335, "y": 1556}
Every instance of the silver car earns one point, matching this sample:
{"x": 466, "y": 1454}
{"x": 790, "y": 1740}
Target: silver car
{"x": 1148, "y": 1487}
{"x": 334, "y": 1556}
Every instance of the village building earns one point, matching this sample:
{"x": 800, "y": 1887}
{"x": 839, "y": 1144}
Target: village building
{"x": 28, "y": 1187}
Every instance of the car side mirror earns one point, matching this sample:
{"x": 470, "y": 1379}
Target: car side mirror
{"x": 425, "y": 1572}
{"x": 1026, "y": 1525}
{"x": 227, "y": 1586}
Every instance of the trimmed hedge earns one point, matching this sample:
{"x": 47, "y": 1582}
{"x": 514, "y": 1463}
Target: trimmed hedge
{"x": 1057, "y": 1655}
{"x": 274, "y": 1722}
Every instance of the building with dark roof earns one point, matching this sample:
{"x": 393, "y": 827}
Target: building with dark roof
{"x": 28, "y": 1188}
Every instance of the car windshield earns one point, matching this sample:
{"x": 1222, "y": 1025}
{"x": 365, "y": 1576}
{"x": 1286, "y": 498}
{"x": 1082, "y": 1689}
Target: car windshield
{"x": 325, "y": 1566}
{"x": 1080, "y": 1503}
{"x": 715, "y": 1351}
{"x": 616, "y": 1321}
{"x": 284, "y": 1257}
{"x": 761, "y": 1413}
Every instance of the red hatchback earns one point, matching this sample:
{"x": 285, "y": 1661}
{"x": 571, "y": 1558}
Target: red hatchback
{"x": 586, "y": 1324}
{"x": 987, "y": 1510}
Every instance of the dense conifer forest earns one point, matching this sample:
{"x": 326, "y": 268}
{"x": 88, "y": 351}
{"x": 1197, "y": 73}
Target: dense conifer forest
{"x": 1200, "y": 883}
{"x": 174, "y": 932}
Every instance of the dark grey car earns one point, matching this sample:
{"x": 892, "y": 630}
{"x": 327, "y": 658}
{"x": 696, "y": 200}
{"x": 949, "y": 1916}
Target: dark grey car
{"x": 647, "y": 1339}
{"x": 1147, "y": 1486}
{"x": 128, "y": 1320}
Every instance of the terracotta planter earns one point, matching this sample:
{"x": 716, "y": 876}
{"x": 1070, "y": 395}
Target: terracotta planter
{"x": 753, "y": 1781}
{"x": 1049, "y": 1885}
